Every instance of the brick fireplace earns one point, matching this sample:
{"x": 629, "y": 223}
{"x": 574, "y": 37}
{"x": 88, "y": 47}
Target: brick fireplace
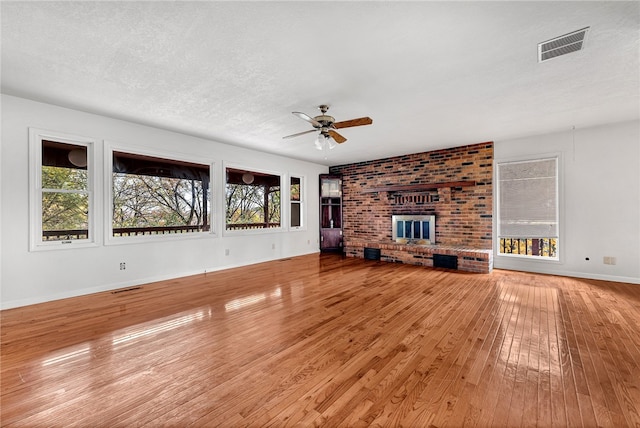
{"x": 454, "y": 185}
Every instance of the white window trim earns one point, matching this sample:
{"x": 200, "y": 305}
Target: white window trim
{"x": 109, "y": 148}
{"x": 284, "y": 196}
{"x": 35, "y": 190}
{"x": 515, "y": 261}
{"x": 303, "y": 202}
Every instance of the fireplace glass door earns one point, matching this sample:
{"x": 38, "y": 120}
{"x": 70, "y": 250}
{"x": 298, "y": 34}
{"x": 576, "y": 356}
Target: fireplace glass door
{"x": 413, "y": 229}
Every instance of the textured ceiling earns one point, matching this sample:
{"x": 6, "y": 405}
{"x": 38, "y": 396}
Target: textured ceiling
{"x": 430, "y": 74}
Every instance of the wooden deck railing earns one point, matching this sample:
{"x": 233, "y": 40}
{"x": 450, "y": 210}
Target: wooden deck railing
{"x": 246, "y": 226}
{"x": 541, "y": 247}
{"x": 61, "y": 235}
{"x": 157, "y": 230}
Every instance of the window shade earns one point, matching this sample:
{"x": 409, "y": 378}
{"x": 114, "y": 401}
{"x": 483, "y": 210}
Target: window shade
{"x": 528, "y": 199}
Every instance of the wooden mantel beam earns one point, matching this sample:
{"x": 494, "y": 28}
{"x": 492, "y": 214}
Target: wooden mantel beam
{"x": 418, "y": 187}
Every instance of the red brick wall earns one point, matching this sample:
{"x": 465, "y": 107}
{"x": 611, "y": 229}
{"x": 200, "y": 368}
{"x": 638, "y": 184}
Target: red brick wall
{"x": 463, "y": 214}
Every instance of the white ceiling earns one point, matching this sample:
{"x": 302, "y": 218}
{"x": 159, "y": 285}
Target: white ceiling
{"x": 430, "y": 74}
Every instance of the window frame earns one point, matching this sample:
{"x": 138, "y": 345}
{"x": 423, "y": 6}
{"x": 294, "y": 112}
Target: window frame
{"x": 36, "y": 243}
{"x": 284, "y": 193}
{"x": 558, "y": 259}
{"x": 109, "y": 149}
{"x": 301, "y": 202}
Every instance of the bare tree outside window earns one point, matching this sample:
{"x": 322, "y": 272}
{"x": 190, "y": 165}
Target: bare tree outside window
{"x": 158, "y": 196}
{"x": 252, "y": 200}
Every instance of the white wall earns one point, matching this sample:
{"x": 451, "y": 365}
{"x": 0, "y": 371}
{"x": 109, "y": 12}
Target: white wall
{"x": 600, "y": 200}
{"x": 600, "y": 178}
{"x": 31, "y": 277}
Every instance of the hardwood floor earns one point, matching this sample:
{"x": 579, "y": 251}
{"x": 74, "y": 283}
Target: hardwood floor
{"x": 327, "y": 341}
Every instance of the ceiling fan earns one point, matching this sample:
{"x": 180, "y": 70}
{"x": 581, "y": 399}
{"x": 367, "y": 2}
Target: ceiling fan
{"x": 326, "y": 127}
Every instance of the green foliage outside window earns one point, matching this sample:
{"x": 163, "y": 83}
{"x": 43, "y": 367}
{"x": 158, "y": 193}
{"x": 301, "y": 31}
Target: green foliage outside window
{"x": 65, "y": 201}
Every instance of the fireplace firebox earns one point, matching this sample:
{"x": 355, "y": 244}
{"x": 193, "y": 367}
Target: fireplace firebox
{"x": 414, "y": 229}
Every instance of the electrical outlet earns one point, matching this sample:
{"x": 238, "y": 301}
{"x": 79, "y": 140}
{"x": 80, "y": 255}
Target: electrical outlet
{"x": 273, "y": 246}
{"x": 226, "y": 252}
{"x": 123, "y": 266}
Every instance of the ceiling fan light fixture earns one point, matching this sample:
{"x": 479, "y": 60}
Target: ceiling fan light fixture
{"x": 320, "y": 142}
{"x": 324, "y": 141}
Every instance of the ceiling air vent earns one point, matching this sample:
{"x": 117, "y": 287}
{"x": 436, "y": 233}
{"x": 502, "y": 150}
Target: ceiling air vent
{"x": 562, "y": 45}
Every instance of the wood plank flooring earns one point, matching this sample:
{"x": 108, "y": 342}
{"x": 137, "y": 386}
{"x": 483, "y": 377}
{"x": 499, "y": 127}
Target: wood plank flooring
{"x": 322, "y": 340}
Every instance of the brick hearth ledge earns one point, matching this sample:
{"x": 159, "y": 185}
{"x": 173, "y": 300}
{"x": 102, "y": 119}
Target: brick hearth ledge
{"x": 469, "y": 259}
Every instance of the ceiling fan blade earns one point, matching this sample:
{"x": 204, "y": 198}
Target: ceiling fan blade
{"x": 353, "y": 122}
{"x": 339, "y": 138}
{"x": 308, "y": 118}
{"x": 300, "y": 133}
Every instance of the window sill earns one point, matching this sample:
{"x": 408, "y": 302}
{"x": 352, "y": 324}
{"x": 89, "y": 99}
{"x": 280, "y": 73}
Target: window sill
{"x": 61, "y": 245}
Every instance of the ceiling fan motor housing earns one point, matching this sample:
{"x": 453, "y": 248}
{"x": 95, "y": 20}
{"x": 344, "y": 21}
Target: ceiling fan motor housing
{"x": 327, "y": 123}
{"x": 325, "y": 120}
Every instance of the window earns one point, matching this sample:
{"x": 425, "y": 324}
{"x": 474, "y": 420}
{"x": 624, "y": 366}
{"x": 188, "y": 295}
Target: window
{"x": 61, "y": 211}
{"x": 158, "y": 196}
{"x": 528, "y": 208}
{"x": 252, "y": 200}
{"x": 295, "y": 197}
